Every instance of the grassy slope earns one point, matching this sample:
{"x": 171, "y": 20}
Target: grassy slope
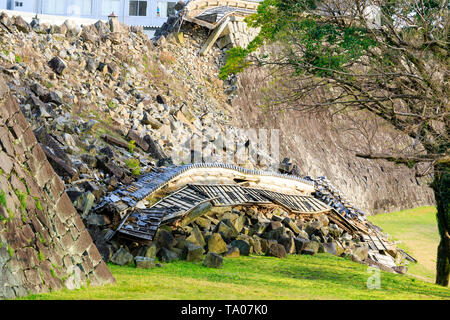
{"x": 418, "y": 233}
{"x": 298, "y": 277}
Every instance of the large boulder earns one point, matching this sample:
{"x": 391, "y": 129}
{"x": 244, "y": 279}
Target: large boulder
{"x": 276, "y": 250}
{"x": 239, "y": 223}
{"x": 122, "y": 257}
{"x": 288, "y": 244}
{"x": 313, "y": 227}
{"x": 324, "y": 232}
{"x": 334, "y": 230}
{"x": 164, "y": 239}
{"x": 233, "y": 252}
{"x": 196, "y": 237}
{"x": 180, "y": 242}
{"x": 266, "y": 243}
{"x": 311, "y": 248}
{"x": 144, "y": 262}
{"x": 300, "y": 244}
{"x": 330, "y": 247}
{"x": 339, "y": 249}
{"x": 193, "y": 252}
{"x": 288, "y": 222}
{"x": 213, "y": 260}
{"x": 154, "y": 149}
{"x": 243, "y": 246}
{"x": 321, "y": 248}
{"x": 273, "y": 225}
{"x": 102, "y": 27}
{"x": 274, "y": 234}
{"x": 71, "y": 27}
{"x": 362, "y": 252}
{"x": 166, "y": 255}
{"x": 21, "y": 24}
{"x": 216, "y": 244}
{"x": 203, "y": 223}
{"x": 57, "y": 65}
{"x": 151, "y": 252}
{"x": 226, "y": 231}
{"x": 258, "y": 228}
{"x": 257, "y": 248}
{"x": 84, "y": 204}
{"x": 323, "y": 220}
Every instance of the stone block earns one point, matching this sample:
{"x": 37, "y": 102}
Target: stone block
{"x": 122, "y": 257}
{"x": 213, "y": 260}
{"x": 144, "y": 262}
{"x": 216, "y": 244}
{"x": 243, "y": 246}
{"x": 276, "y": 250}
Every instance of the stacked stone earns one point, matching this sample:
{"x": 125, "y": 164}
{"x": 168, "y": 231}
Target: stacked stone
{"x": 240, "y": 231}
{"x": 239, "y": 33}
{"x": 107, "y": 105}
{"x": 43, "y": 243}
{"x": 92, "y": 94}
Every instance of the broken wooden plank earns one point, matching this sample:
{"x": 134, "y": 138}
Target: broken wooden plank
{"x": 214, "y": 36}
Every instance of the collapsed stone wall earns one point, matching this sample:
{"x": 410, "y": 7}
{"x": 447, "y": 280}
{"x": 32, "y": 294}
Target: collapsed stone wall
{"x": 116, "y": 87}
{"x": 44, "y": 245}
{"x": 317, "y": 143}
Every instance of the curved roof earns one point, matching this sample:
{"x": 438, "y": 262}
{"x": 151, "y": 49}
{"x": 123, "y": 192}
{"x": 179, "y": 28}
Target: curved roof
{"x": 202, "y": 172}
{"x": 210, "y": 13}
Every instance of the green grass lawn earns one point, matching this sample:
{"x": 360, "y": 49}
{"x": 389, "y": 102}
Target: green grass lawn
{"x": 322, "y": 276}
{"x": 417, "y": 230}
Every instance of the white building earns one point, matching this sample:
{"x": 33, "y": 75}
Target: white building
{"x": 149, "y": 14}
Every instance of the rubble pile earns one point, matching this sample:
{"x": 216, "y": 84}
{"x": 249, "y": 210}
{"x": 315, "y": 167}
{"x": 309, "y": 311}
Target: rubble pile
{"x": 329, "y": 194}
{"x": 194, "y": 202}
{"x": 108, "y": 105}
{"x": 244, "y": 230}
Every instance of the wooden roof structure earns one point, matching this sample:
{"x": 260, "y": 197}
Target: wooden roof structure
{"x": 211, "y": 13}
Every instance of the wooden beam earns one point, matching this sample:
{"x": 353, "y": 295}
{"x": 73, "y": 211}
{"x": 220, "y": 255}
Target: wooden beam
{"x": 213, "y": 37}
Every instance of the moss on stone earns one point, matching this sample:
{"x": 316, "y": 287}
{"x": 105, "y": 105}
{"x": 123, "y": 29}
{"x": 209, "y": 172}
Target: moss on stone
{"x": 22, "y": 196}
{"x": 38, "y": 203}
{"x": 41, "y": 239}
{"x": 2, "y": 199}
{"x": 10, "y": 251}
{"x": 41, "y": 256}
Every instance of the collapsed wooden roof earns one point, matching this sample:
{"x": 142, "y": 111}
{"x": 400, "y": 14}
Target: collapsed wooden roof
{"x": 168, "y": 195}
{"x": 211, "y": 14}
{"x": 188, "y": 186}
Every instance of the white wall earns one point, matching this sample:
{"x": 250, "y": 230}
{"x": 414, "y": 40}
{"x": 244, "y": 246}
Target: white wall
{"x": 65, "y": 8}
{"x": 50, "y": 19}
{"x": 28, "y": 5}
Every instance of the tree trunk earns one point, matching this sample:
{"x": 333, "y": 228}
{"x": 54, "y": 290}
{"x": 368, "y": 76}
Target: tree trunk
{"x": 441, "y": 186}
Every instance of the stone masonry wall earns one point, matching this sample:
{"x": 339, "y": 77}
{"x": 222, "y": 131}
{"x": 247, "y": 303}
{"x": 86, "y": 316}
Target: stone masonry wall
{"x": 43, "y": 242}
{"x": 313, "y": 143}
